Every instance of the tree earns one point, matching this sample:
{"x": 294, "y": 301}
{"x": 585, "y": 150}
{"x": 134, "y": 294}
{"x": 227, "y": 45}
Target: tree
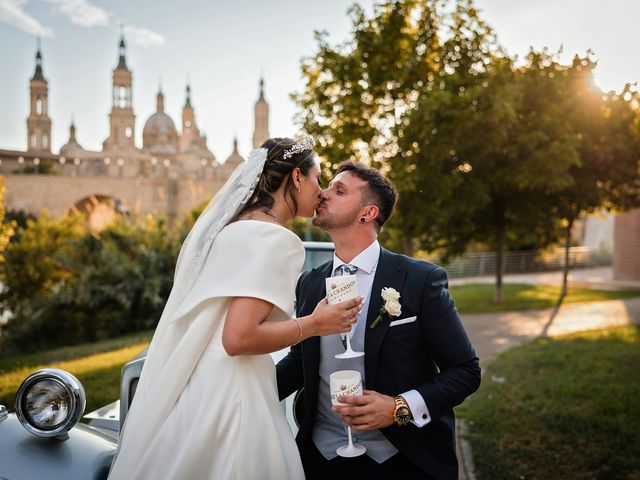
{"x": 124, "y": 275}
{"x": 32, "y": 271}
{"x": 66, "y": 284}
{"x": 499, "y": 133}
{"x": 356, "y": 94}
{"x": 427, "y": 95}
{"x": 7, "y": 226}
{"x": 607, "y": 130}
{"x": 32, "y": 264}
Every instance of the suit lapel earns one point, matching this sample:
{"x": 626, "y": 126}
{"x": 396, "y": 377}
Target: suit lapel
{"x": 388, "y": 274}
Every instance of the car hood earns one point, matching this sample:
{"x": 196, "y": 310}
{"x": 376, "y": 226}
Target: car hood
{"x": 87, "y": 453}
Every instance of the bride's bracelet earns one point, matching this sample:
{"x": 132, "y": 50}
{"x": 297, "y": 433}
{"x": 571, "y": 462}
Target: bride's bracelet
{"x": 299, "y": 330}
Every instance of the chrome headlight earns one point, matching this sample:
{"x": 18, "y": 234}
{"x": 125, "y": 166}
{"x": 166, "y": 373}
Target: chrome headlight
{"x": 50, "y": 402}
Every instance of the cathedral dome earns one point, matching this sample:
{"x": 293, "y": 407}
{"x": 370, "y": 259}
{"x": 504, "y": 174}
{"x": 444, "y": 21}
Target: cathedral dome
{"x": 159, "y": 133}
{"x": 72, "y": 147}
{"x": 159, "y": 122}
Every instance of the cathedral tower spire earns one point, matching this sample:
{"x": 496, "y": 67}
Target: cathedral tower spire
{"x": 39, "y": 122}
{"x": 160, "y": 101}
{"x": 190, "y": 133}
{"x": 261, "y": 118}
{"x": 121, "y": 119}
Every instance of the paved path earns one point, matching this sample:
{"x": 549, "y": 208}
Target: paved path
{"x": 492, "y": 333}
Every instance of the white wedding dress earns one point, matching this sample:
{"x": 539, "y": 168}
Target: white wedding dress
{"x": 199, "y": 413}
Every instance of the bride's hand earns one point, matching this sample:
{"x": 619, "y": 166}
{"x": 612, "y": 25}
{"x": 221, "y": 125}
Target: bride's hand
{"x": 338, "y": 318}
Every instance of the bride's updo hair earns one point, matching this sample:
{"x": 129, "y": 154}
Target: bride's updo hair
{"x": 284, "y": 154}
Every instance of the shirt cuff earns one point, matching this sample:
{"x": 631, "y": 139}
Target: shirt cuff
{"x": 418, "y": 407}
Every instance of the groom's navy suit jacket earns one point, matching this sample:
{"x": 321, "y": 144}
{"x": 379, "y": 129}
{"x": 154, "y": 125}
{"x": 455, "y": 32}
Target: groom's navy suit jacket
{"x": 432, "y": 355}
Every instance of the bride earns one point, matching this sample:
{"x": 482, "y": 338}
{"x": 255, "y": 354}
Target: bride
{"x": 207, "y": 405}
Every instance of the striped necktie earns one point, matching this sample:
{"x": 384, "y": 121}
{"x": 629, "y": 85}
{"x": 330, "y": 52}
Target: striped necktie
{"x": 345, "y": 269}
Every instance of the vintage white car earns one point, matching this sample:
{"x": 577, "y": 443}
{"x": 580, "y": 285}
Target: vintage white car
{"x": 43, "y": 439}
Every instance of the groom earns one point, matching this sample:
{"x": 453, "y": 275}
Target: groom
{"x": 418, "y": 363}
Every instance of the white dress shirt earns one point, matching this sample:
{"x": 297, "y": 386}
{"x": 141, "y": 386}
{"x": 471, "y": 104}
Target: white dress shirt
{"x": 367, "y": 263}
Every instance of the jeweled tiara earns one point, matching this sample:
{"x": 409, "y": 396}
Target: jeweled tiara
{"x": 303, "y": 143}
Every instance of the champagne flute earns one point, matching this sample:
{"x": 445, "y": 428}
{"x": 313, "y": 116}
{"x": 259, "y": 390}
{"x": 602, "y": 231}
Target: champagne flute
{"x": 346, "y": 382}
{"x": 339, "y": 289}
{"x": 349, "y": 352}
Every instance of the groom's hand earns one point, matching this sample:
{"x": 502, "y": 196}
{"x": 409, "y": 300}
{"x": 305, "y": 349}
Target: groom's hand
{"x": 370, "y": 411}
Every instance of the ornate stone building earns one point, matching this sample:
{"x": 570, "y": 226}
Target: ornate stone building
{"x": 171, "y": 173}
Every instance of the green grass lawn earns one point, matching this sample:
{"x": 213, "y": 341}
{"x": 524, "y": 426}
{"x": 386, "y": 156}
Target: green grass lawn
{"x": 560, "y": 408}
{"x": 478, "y": 298}
{"x": 97, "y": 366}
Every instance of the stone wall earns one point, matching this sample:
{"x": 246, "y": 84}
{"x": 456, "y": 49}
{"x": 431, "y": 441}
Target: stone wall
{"x": 58, "y": 194}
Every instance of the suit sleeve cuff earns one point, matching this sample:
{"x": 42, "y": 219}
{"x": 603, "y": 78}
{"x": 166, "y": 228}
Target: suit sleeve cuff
{"x": 418, "y": 407}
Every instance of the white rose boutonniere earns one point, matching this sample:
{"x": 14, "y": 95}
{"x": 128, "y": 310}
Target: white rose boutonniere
{"x": 391, "y": 305}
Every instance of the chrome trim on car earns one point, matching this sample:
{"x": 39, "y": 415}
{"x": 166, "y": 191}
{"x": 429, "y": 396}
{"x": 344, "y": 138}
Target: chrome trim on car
{"x": 128, "y": 383}
{"x": 3, "y": 412}
{"x": 75, "y": 394}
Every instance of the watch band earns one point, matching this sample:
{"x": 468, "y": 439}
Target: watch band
{"x": 401, "y": 412}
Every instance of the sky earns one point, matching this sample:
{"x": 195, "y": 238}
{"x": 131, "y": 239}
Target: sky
{"x": 223, "y": 47}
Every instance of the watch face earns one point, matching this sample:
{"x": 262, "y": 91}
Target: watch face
{"x": 402, "y": 415}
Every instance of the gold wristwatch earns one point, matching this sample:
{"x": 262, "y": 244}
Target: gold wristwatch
{"x": 402, "y": 413}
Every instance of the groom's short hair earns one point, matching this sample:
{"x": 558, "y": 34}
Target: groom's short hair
{"x": 379, "y": 190}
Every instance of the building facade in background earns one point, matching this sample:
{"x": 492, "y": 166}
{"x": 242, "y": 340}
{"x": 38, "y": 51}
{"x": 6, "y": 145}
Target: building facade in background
{"x": 626, "y": 250}
{"x": 172, "y": 172}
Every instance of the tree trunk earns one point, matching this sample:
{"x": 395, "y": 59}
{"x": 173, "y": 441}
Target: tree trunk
{"x": 499, "y": 296}
{"x": 566, "y": 266}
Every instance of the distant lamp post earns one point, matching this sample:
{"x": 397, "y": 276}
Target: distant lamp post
{"x": 120, "y": 167}
{"x": 76, "y": 162}
{"x": 166, "y": 162}
{"x": 62, "y": 160}
{"x": 36, "y": 162}
{"x": 21, "y": 163}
